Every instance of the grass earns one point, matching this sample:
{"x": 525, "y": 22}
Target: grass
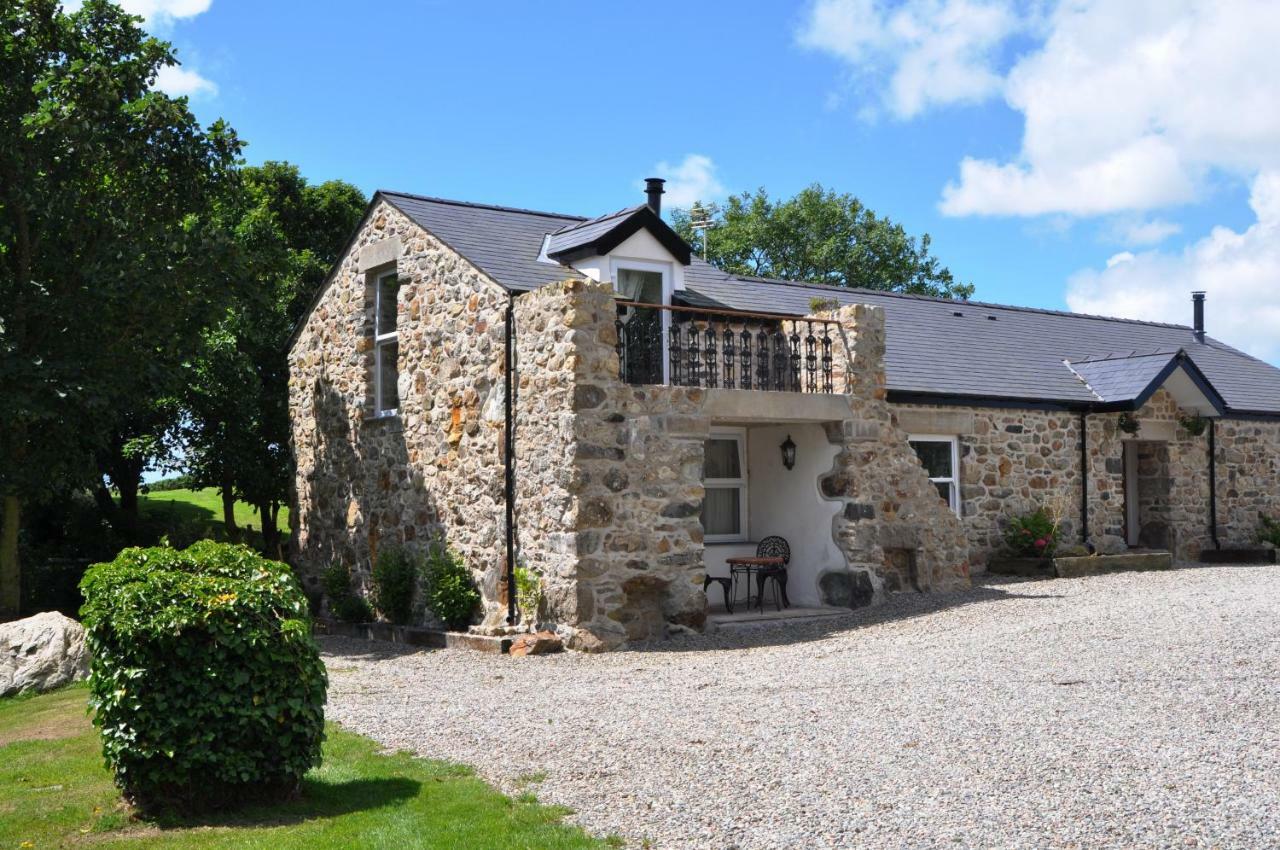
{"x": 54, "y": 792}
{"x": 204, "y": 506}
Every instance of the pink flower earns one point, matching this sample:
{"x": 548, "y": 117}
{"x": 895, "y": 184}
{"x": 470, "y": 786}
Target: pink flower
{"x": 1041, "y": 543}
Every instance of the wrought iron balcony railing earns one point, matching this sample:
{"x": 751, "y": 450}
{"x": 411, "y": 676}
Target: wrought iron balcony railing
{"x": 692, "y": 347}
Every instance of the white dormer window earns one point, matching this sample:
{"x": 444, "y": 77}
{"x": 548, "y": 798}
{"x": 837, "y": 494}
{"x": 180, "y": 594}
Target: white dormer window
{"x": 386, "y": 344}
{"x": 646, "y": 282}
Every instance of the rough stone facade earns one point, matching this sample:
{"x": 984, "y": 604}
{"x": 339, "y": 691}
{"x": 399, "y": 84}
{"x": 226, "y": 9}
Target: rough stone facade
{"x": 609, "y": 478}
{"x": 435, "y": 468}
{"x": 609, "y": 475}
{"x": 1015, "y": 460}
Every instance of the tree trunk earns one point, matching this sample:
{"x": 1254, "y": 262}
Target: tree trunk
{"x": 229, "y": 513}
{"x": 10, "y": 569}
{"x": 268, "y": 512}
{"x": 128, "y": 515}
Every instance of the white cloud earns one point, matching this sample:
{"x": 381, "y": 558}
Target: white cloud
{"x": 693, "y": 179}
{"x": 921, "y": 52}
{"x": 1240, "y": 271}
{"x": 155, "y": 11}
{"x": 1128, "y": 105}
{"x": 1140, "y": 231}
{"x": 176, "y": 81}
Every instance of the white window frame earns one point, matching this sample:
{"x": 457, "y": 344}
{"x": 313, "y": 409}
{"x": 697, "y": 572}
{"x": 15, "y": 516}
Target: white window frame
{"x": 381, "y": 340}
{"x": 616, "y": 264}
{"x": 739, "y": 436}
{"x": 954, "y": 478}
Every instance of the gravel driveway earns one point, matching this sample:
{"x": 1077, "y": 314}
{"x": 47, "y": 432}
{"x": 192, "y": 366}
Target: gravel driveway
{"x": 1131, "y": 710}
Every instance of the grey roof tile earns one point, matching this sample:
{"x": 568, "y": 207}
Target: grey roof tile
{"x": 987, "y": 350}
{"x": 585, "y": 232}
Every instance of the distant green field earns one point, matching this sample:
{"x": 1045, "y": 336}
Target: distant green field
{"x": 201, "y": 506}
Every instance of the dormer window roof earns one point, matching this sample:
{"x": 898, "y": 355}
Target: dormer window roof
{"x": 599, "y": 236}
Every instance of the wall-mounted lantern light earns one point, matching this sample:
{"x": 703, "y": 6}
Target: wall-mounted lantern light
{"x": 788, "y": 453}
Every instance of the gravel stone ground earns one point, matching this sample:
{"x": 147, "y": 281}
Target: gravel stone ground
{"x": 1128, "y": 710}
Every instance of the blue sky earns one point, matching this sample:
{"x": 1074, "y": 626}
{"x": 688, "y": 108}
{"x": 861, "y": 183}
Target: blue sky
{"x": 971, "y": 120}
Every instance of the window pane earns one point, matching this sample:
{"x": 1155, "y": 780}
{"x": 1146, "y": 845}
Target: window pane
{"x": 944, "y": 490}
{"x": 721, "y": 459}
{"x": 936, "y": 457}
{"x": 721, "y": 512}
{"x": 387, "y": 373}
{"x": 638, "y": 285}
{"x": 387, "y": 288}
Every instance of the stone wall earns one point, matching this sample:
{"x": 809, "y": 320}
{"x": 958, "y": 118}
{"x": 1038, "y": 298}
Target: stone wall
{"x": 433, "y": 469}
{"x": 895, "y": 532}
{"x": 1015, "y": 460}
{"x": 610, "y": 478}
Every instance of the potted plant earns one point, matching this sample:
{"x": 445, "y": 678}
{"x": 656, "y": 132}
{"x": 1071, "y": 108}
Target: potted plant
{"x": 1128, "y": 423}
{"x": 1193, "y": 424}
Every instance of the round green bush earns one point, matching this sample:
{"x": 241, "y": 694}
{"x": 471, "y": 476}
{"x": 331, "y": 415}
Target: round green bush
{"x": 451, "y": 594}
{"x": 206, "y": 683}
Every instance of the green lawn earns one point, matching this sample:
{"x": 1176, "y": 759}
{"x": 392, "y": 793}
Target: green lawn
{"x": 203, "y": 506}
{"x": 54, "y": 792}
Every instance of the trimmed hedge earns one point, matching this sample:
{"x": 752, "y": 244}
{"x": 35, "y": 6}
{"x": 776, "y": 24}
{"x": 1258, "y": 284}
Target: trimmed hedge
{"x": 206, "y": 683}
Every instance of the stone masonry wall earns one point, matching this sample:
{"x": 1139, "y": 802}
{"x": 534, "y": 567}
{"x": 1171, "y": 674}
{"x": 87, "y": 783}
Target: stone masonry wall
{"x": 1015, "y": 460}
{"x": 894, "y": 531}
{"x": 435, "y": 468}
{"x": 610, "y": 479}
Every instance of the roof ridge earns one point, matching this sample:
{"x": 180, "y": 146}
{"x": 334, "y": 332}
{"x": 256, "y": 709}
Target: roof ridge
{"x": 477, "y": 205}
{"x": 1163, "y": 351}
{"x": 940, "y": 300}
{"x": 588, "y": 221}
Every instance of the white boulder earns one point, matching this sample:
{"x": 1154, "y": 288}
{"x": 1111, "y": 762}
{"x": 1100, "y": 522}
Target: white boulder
{"x": 41, "y": 653}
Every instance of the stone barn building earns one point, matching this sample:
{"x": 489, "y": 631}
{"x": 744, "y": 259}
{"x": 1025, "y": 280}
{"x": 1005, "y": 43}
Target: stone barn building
{"x": 588, "y": 399}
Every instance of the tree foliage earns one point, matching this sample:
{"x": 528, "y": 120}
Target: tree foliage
{"x": 108, "y": 265}
{"x": 818, "y": 236}
{"x": 287, "y": 234}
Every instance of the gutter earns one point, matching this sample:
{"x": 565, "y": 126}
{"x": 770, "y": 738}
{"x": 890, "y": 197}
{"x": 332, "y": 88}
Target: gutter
{"x": 1084, "y": 480}
{"x": 509, "y": 448}
{"x": 1213, "y": 483}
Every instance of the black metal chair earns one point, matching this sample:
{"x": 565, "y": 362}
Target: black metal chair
{"x": 774, "y": 546}
{"x": 724, "y": 588}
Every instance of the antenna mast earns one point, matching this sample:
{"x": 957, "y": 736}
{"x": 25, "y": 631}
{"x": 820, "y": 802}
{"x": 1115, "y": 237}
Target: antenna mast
{"x": 700, "y": 219}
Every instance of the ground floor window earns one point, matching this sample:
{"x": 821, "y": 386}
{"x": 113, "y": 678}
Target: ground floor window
{"x": 724, "y": 476}
{"x": 941, "y": 458}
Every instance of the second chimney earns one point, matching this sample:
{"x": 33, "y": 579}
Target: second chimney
{"x": 1197, "y": 307}
{"x": 653, "y": 190}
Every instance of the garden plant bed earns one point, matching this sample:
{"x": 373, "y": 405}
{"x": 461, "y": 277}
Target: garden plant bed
{"x": 1076, "y": 566}
{"x": 414, "y": 636}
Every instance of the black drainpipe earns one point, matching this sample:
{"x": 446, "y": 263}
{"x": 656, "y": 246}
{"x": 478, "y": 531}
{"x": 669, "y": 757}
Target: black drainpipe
{"x": 1084, "y": 480}
{"x": 509, "y": 449}
{"x": 1213, "y": 483}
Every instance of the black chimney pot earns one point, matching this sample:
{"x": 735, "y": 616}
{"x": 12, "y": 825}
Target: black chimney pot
{"x": 653, "y": 189}
{"x": 1197, "y": 304}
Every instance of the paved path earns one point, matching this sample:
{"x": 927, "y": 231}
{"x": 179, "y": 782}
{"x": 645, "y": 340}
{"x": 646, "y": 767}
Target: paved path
{"x": 1131, "y": 710}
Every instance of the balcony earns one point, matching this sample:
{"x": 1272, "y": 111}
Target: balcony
{"x": 724, "y": 349}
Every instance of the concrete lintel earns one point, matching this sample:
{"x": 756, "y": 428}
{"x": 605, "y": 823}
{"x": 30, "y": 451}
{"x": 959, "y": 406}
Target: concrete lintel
{"x": 1153, "y": 430}
{"x": 381, "y": 253}
{"x": 768, "y": 406}
{"x": 935, "y": 421}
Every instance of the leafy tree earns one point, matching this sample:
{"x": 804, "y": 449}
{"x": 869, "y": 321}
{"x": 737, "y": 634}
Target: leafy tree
{"x": 819, "y": 236}
{"x": 104, "y": 253}
{"x": 288, "y": 234}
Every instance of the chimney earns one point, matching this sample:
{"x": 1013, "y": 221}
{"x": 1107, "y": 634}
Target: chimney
{"x": 653, "y": 189}
{"x": 1197, "y": 304}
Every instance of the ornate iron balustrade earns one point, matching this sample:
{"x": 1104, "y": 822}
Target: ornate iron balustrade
{"x": 691, "y": 347}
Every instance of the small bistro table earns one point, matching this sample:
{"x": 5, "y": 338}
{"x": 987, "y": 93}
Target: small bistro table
{"x": 762, "y": 568}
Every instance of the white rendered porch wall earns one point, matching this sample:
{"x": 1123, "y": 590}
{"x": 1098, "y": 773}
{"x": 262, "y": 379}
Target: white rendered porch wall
{"x": 639, "y": 246}
{"x": 786, "y": 502}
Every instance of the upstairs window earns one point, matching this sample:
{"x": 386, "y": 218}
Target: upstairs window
{"x": 724, "y": 477}
{"x": 386, "y": 346}
{"x": 941, "y": 458}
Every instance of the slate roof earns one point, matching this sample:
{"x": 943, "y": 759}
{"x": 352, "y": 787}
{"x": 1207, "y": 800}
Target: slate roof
{"x": 1124, "y": 376}
{"x": 934, "y": 347}
{"x": 503, "y": 242}
{"x": 582, "y": 233}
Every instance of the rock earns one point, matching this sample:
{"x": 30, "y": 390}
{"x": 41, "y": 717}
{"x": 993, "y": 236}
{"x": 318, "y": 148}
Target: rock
{"x": 541, "y": 643}
{"x": 41, "y": 653}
